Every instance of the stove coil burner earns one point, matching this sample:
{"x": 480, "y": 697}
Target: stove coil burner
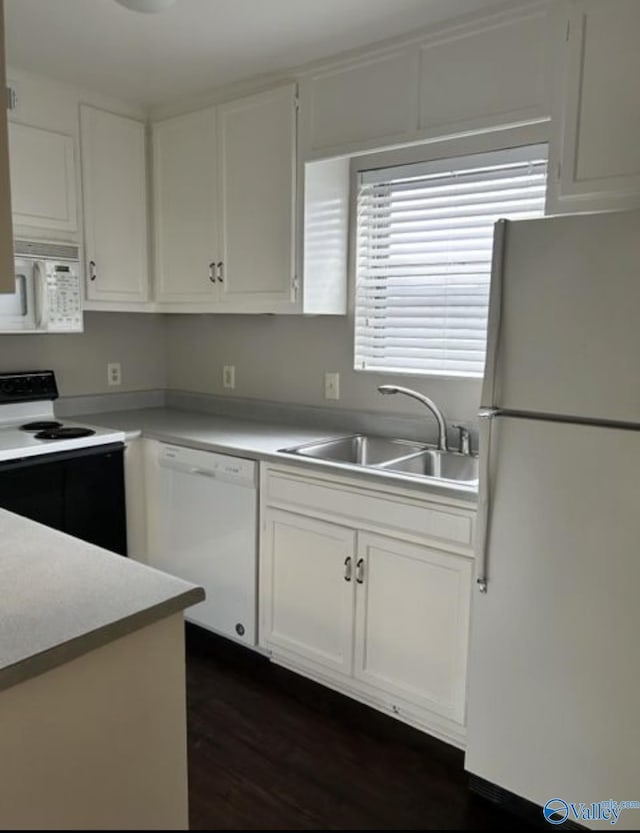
{"x": 63, "y": 433}
{"x": 44, "y": 425}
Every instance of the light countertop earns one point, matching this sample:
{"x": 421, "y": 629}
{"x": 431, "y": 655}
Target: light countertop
{"x": 62, "y": 597}
{"x": 257, "y": 441}
{"x": 208, "y": 432}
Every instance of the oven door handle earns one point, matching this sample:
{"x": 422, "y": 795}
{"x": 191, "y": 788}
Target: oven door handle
{"x": 59, "y": 456}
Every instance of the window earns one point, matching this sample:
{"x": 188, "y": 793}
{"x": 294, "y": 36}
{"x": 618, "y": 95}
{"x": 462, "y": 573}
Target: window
{"x": 423, "y": 262}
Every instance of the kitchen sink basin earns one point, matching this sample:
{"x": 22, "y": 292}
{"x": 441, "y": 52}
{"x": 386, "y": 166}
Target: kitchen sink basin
{"x": 391, "y": 455}
{"x": 359, "y": 450}
{"x": 444, "y": 465}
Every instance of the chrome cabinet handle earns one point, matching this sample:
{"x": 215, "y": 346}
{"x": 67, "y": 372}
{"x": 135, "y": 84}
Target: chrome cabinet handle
{"x": 347, "y": 568}
{"x": 212, "y": 266}
{"x": 220, "y": 271}
{"x": 92, "y": 270}
{"x": 360, "y": 570}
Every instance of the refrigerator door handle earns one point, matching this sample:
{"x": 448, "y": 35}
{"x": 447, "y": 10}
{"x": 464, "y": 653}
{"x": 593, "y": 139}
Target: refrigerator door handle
{"x": 495, "y": 316}
{"x": 489, "y": 413}
{"x": 486, "y": 416}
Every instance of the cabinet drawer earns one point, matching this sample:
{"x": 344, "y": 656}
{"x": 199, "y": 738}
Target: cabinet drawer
{"x": 366, "y": 508}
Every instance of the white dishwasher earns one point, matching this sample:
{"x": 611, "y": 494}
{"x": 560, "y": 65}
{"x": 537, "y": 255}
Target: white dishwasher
{"x": 205, "y": 531}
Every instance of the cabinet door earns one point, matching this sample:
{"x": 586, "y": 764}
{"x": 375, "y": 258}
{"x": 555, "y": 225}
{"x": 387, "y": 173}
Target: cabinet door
{"x": 412, "y": 623}
{"x": 361, "y": 105}
{"x": 307, "y": 589}
{"x": 257, "y": 176}
{"x": 478, "y": 93}
{"x": 43, "y": 181}
{"x": 115, "y": 206}
{"x": 594, "y": 144}
{"x": 185, "y": 194}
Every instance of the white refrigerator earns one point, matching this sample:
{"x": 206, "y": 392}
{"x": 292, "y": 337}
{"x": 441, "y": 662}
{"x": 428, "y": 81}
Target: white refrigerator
{"x": 554, "y": 671}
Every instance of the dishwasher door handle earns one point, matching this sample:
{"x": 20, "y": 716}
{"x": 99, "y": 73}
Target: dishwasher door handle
{"x": 174, "y": 465}
{"x": 216, "y": 467}
{"x": 185, "y": 468}
{"x": 203, "y": 472}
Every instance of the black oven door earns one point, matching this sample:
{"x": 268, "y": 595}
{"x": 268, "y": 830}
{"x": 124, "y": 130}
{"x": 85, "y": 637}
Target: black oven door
{"x": 78, "y": 492}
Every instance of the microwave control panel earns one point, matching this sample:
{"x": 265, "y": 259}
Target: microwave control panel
{"x": 63, "y": 297}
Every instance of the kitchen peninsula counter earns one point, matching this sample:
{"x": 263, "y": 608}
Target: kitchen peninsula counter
{"x": 62, "y": 597}
{"x": 92, "y": 686}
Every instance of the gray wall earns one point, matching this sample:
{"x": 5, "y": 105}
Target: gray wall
{"x": 80, "y": 360}
{"x": 277, "y": 358}
{"x": 284, "y": 358}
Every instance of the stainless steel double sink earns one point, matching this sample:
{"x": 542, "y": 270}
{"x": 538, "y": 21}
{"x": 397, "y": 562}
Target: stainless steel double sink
{"x": 401, "y": 456}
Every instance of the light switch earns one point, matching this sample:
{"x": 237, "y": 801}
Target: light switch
{"x": 332, "y": 386}
{"x": 229, "y": 376}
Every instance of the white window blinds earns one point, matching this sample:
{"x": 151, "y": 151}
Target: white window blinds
{"x": 424, "y": 244}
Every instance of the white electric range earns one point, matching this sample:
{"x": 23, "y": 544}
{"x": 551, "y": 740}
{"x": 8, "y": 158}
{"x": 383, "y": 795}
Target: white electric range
{"x": 28, "y": 425}
{"x": 63, "y": 474}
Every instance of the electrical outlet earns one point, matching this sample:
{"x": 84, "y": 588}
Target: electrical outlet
{"x": 332, "y": 386}
{"x": 114, "y": 373}
{"x": 229, "y": 376}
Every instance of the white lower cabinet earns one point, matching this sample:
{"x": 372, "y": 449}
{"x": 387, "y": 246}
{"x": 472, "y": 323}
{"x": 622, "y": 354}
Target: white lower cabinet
{"x": 360, "y": 605}
{"x": 308, "y": 604}
{"x": 412, "y": 622}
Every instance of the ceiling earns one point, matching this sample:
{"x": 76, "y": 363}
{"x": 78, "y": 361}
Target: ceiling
{"x": 200, "y": 44}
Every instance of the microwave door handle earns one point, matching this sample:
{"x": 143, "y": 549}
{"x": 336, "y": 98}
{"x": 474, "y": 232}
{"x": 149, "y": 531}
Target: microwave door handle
{"x": 21, "y": 291}
{"x": 40, "y": 293}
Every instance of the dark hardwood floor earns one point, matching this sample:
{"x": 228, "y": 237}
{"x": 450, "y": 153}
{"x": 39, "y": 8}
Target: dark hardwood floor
{"x": 270, "y": 750}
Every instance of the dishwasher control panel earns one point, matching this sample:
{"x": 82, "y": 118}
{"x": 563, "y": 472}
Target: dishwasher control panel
{"x": 209, "y": 464}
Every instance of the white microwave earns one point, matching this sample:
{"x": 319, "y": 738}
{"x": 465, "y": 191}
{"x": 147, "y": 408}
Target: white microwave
{"x": 48, "y": 291}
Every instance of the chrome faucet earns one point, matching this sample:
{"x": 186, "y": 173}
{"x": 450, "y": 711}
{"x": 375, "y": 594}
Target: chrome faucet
{"x": 465, "y": 439}
{"x": 430, "y": 404}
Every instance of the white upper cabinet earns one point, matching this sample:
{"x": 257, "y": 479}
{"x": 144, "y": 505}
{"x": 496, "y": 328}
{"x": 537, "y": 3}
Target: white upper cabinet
{"x": 595, "y": 152}
{"x": 224, "y": 206}
{"x": 361, "y": 104}
{"x": 185, "y": 202}
{"x": 486, "y": 76}
{"x": 487, "y": 72}
{"x": 257, "y": 198}
{"x": 113, "y": 150}
{"x": 43, "y": 181}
